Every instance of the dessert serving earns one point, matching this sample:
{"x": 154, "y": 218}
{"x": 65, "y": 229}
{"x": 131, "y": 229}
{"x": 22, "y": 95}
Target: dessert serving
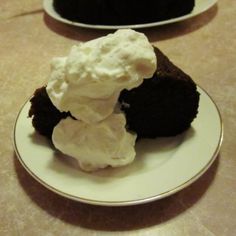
{"x": 113, "y": 12}
{"x": 107, "y": 94}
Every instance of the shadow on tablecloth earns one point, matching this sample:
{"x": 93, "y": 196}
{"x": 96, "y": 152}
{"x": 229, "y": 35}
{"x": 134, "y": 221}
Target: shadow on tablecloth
{"x": 115, "y": 218}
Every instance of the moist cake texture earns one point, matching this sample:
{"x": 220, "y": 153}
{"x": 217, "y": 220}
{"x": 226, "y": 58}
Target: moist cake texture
{"x": 164, "y": 105}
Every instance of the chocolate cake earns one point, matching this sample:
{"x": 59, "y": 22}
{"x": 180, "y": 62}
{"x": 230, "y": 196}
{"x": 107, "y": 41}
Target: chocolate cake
{"x": 122, "y": 12}
{"x": 45, "y": 114}
{"x": 164, "y": 105}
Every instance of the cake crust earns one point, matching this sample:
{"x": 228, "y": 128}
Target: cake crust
{"x": 164, "y": 105}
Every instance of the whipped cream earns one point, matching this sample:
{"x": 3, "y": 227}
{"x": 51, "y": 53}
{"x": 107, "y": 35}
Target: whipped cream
{"x": 88, "y": 83}
{"x": 98, "y": 145}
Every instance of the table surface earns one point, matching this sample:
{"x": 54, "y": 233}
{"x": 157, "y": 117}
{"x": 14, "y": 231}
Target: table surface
{"x": 203, "y": 46}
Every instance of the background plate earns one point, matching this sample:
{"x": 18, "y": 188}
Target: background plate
{"x": 162, "y": 167}
{"x": 200, "y": 7}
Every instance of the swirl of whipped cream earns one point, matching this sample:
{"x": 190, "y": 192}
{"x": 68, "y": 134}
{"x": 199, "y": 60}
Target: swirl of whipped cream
{"x": 88, "y": 83}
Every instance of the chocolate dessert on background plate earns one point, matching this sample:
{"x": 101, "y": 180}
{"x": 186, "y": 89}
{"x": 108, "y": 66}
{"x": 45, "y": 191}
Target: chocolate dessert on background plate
{"x": 122, "y": 12}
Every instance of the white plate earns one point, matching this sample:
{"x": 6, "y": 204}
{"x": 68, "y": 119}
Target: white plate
{"x": 200, "y": 7}
{"x": 162, "y": 166}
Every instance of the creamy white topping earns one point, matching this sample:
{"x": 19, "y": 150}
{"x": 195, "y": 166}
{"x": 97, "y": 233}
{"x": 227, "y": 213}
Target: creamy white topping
{"x": 98, "y": 145}
{"x": 88, "y": 83}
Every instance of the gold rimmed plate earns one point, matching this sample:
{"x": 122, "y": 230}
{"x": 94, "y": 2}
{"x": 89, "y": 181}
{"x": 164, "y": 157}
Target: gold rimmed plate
{"x": 200, "y": 7}
{"x": 162, "y": 167}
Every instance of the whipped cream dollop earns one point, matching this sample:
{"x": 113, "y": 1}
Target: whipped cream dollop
{"x": 97, "y": 145}
{"x": 88, "y": 83}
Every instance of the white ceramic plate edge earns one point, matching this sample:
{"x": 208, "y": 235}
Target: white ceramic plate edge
{"x": 198, "y": 9}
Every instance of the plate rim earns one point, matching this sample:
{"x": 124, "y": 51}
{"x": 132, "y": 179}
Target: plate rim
{"x": 48, "y": 8}
{"x": 123, "y": 202}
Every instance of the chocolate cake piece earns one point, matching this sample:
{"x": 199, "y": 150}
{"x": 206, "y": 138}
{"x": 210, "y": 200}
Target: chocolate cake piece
{"x": 164, "y": 105}
{"x": 122, "y": 12}
{"x": 45, "y": 115}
